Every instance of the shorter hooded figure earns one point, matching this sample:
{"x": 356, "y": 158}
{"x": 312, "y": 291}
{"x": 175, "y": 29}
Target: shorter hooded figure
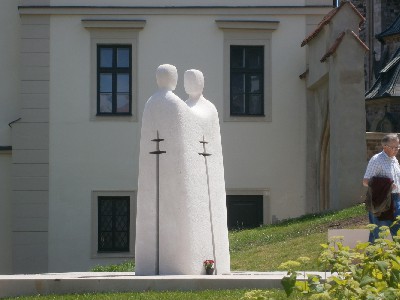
{"x": 209, "y": 172}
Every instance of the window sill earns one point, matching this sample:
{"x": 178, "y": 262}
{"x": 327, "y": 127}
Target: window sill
{"x": 113, "y": 255}
{"x": 114, "y": 118}
{"x": 247, "y": 118}
{"x": 113, "y": 252}
{"x": 247, "y": 115}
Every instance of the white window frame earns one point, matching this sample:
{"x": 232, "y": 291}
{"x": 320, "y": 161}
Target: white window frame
{"x": 113, "y": 32}
{"x": 248, "y": 33}
{"x": 95, "y": 222}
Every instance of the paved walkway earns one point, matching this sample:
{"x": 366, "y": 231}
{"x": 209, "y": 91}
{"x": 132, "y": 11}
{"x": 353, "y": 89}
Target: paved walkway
{"x": 94, "y": 282}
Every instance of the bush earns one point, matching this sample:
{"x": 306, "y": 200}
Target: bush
{"x": 128, "y": 266}
{"x": 369, "y": 271}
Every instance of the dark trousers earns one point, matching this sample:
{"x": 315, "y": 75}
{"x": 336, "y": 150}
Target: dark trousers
{"x": 374, "y": 220}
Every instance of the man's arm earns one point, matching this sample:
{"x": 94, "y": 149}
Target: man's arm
{"x": 365, "y": 181}
{"x": 372, "y": 170}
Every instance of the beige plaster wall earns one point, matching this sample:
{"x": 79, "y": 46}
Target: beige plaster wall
{"x": 30, "y": 141}
{"x": 317, "y": 47}
{"x": 5, "y": 214}
{"x": 9, "y": 61}
{"x": 346, "y": 16}
{"x": 84, "y": 155}
{"x": 191, "y": 2}
{"x": 9, "y": 105}
{"x": 347, "y": 116}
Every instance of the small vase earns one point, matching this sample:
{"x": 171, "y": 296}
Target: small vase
{"x": 210, "y": 271}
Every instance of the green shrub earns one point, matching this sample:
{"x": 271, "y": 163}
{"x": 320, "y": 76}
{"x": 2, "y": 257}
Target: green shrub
{"x": 258, "y": 295}
{"x": 127, "y": 266}
{"x": 368, "y": 271}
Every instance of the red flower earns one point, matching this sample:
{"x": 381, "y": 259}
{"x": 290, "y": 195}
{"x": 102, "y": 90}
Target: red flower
{"x": 208, "y": 264}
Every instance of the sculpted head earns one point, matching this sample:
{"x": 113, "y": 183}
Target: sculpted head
{"x": 194, "y": 82}
{"x": 167, "y": 77}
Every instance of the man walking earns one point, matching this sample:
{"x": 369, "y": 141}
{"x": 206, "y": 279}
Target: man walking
{"x": 384, "y": 165}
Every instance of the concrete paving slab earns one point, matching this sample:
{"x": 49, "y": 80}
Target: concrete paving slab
{"x": 107, "y": 282}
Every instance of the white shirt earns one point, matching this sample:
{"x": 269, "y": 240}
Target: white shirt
{"x": 382, "y": 165}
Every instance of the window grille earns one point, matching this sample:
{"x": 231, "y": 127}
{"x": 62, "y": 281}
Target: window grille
{"x": 113, "y": 223}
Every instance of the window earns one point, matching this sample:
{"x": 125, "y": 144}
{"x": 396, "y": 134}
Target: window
{"x": 114, "y": 68}
{"x": 113, "y": 224}
{"x": 247, "y": 208}
{"x": 244, "y": 211}
{"x": 114, "y": 73}
{"x": 247, "y": 73}
{"x": 247, "y": 69}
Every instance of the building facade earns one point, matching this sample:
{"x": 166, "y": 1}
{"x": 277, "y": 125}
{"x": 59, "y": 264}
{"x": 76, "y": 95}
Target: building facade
{"x": 77, "y": 77}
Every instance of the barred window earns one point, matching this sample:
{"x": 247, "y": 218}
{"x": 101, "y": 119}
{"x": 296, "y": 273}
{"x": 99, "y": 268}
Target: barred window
{"x": 113, "y": 223}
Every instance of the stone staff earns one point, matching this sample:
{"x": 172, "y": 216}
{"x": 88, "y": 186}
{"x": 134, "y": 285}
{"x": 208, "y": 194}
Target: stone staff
{"x": 205, "y": 154}
{"x": 158, "y": 152}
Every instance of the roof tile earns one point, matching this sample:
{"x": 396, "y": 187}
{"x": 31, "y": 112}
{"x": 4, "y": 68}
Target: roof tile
{"x": 388, "y": 79}
{"x": 393, "y": 29}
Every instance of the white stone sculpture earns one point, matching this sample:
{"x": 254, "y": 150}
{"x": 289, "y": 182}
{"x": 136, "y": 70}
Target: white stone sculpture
{"x": 181, "y": 210}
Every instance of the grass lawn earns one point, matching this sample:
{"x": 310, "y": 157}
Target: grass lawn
{"x": 265, "y": 248}
{"x": 269, "y": 257}
{"x": 260, "y": 249}
{"x": 199, "y": 295}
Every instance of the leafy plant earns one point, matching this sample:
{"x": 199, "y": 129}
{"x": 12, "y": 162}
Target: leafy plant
{"x": 368, "y": 271}
{"x": 127, "y": 266}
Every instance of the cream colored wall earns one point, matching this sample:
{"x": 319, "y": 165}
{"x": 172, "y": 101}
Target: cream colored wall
{"x": 101, "y": 155}
{"x": 9, "y": 105}
{"x": 346, "y": 16}
{"x": 84, "y": 155}
{"x": 317, "y": 48}
{"x": 5, "y": 214}
{"x": 30, "y": 142}
{"x": 347, "y": 123}
{"x": 9, "y": 77}
{"x": 186, "y": 2}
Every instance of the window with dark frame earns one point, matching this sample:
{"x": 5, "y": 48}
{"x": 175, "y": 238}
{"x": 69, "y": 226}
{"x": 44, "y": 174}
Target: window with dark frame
{"x": 244, "y": 211}
{"x": 247, "y": 80}
{"x": 114, "y": 80}
{"x": 113, "y": 223}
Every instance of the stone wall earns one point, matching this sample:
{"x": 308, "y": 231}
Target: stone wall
{"x": 373, "y": 141}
